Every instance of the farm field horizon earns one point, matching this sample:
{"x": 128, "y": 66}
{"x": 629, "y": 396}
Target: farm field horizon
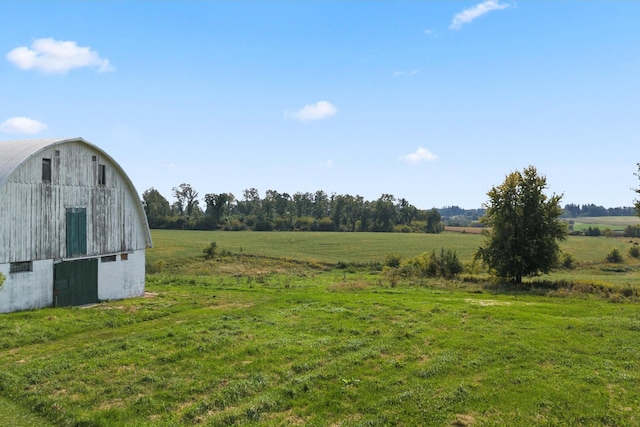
{"x": 302, "y": 328}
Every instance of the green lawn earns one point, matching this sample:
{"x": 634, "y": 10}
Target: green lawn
{"x": 216, "y": 351}
{"x": 290, "y": 340}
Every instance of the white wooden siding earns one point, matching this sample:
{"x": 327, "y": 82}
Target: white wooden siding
{"x": 33, "y": 213}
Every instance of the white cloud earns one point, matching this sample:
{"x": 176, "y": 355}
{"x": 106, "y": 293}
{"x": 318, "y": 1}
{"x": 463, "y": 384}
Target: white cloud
{"x": 317, "y": 111}
{"x": 56, "y": 56}
{"x": 421, "y": 155}
{"x": 327, "y": 164}
{"x": 22, "y": 125}
{"x": 469, "y": 15}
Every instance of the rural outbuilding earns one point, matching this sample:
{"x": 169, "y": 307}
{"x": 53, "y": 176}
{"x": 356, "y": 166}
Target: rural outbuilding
{"x": 72, "y": 227}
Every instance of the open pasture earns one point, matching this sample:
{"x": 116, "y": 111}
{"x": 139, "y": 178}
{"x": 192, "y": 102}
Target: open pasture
{"x": 266, "y": 339}
{"x": 615, "y": 223}
{"x": 175, "y": 248}
{"x": 359, "y": 248}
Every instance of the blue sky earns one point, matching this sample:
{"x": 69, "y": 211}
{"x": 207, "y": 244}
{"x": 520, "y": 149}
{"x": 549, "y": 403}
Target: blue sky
{"x": 432, "y": 101}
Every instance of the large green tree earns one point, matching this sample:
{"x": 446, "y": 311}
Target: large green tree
{"x": 523, "y": 227}
{"x": 156, "y": 207}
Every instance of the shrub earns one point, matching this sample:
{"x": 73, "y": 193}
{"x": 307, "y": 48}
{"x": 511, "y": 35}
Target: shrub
{"x": 443, "y": 264}
{"x": 567, "y": 261}
{"x": 392, "y": 260}
{"x": 448, "y": 264}
{"x": 2, "y": 279}
{"x": 595, "y": 231}
{"x": 325, "y": 224}
{"x": 632, "y": 231}
{"x": 614, "y": 256}
{"x": 634, "y": 251}
{"x": 210, "y": 251}
{"x": 265, "y": 225}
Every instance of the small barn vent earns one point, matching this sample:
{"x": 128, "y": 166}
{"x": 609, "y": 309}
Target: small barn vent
{"x": 21, "y": 267}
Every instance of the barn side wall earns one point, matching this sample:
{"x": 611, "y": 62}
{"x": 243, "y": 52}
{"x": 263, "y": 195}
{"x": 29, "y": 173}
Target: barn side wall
{"x": 27, "y": 290}
{"x": 33, "y": 212}
{"x": 122, "y": 278}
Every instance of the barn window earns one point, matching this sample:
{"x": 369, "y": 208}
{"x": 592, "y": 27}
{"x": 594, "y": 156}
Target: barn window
{"x": 102, "y": 175}
{"x": 108, "y": 258}
{"x": 21, "y": 267}
{"x": 124, "y": 256}
{"x": 76, "y": 231}
{"x": 94, "y": 158}
{"x": 46, "y": 170}
{"x": 57, "y": 153}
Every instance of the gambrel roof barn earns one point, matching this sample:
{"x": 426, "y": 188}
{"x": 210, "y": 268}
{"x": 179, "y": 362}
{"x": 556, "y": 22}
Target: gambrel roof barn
{"x": 72, "y": 227}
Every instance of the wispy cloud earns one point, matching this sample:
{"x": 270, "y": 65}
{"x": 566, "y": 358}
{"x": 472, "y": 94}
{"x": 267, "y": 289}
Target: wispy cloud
{"x": 326, "y": 164}
{"x": 23, "y": 125}
{"x": 469, "y": 15}
{"x": 319, "y": 110}
{"x": 405, "y": 73}
{"x": 421, "y": 155}
{"x": 56, "y": 56}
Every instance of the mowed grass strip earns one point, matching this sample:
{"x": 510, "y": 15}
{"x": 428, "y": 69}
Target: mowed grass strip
{"x": 201, "y": 351}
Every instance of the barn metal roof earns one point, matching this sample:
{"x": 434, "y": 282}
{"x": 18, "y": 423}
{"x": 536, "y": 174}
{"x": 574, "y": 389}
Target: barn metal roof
{"x": 14, "y": 153}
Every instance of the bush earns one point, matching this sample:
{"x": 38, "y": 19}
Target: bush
{"x": 444, "y": 264}
{"x": 567, "y": 261}
{"x": 210, "y": 251}
{"x": 632, "y": 231}
{"x": 614, "y": 256}
{"x": 448, "y": 264}
{"x": 265, "y": 225}
{"x": 325, "y": 224}
{"x": 392, "y": 260}
{"x": 595, "y": 231}
{"x": 634, "y": 251}
{"x": 2, "y": 279}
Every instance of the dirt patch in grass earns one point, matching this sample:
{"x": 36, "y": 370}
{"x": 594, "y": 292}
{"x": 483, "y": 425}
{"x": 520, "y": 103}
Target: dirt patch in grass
{"x": 486, "y": 302}
{"x": 354, "y": 286}
{"x": 463, "y": 420}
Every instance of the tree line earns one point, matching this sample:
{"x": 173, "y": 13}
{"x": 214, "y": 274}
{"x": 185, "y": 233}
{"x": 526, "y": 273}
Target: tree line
{"x": 572, "y": 211}
{"x": 317, "y": 211}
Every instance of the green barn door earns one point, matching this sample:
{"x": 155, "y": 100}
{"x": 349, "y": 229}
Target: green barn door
{"x": 76, "y": 232}
{"x": 75, "y": 282}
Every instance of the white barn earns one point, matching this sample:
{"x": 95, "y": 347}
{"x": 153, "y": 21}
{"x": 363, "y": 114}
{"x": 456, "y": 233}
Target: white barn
{"x": 72, "y": 227}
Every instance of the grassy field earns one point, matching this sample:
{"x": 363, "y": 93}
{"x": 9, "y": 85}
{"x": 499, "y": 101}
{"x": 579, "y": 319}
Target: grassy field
{"x": 614, "y": 223}
{"x": 290, "y": 340}
{"x": 362, "y": 248}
